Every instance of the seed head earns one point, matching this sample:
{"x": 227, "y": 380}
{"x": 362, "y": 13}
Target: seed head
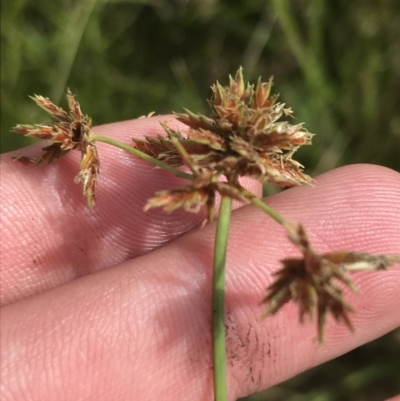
{"x": 314, "y": 280}
{"x": 243, "y": 136}
{"x": 68, "y": 131}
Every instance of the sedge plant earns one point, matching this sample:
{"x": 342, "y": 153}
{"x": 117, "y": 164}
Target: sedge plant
{"x": 247, "y": 134}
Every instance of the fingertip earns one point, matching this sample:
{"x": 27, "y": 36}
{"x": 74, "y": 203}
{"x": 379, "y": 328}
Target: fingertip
{"x": 351, "y": 207}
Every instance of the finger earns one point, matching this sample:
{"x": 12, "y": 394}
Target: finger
{"x": 49, "y": 236}
{"x": 144, "y": 327}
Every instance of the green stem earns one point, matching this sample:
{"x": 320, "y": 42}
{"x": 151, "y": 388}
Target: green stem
{"x": 218, "y": 300}
{"x": 271, "y": 212}
{"x": 144, "y": 156}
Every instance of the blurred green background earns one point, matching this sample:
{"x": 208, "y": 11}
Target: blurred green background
{"x": 335, "y": 62}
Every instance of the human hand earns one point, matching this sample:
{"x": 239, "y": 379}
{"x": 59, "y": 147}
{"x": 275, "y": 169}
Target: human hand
{"x": 138, "y": 325}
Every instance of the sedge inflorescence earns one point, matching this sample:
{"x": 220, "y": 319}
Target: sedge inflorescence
{"x": 314, "y": 281}
{"x": 68, "y": 131}
{"x": 243, "y": 136}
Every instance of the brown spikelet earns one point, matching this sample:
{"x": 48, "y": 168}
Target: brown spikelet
{"x": 243, "y": 136}
{"x": 68, "y": 131}
{"x": 313, "y": 281}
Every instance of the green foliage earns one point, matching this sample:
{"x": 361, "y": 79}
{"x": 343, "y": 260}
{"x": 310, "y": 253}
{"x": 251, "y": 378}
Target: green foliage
{"x": 335, "y": 62}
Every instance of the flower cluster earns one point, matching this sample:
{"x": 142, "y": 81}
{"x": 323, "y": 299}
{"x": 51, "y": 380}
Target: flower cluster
{"x": 201, "y": 190}
{"x": 313, "y": 280}
{"x": 242, "y": 137}
{"x": 68, "y": 131}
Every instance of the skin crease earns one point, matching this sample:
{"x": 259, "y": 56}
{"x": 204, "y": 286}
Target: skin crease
{"x": 137, "y": 325}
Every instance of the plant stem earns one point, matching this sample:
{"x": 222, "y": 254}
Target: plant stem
{"x": 144, "y": 156}
{"x": 218, "y": 300}
{"x": 271, "y": 212}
